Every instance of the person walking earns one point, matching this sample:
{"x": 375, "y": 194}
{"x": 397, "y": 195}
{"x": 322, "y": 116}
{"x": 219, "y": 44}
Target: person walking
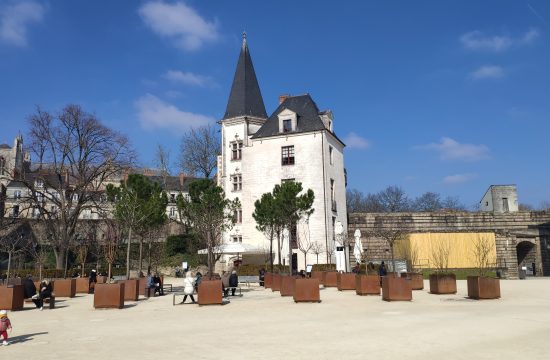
{"x": 5, "y": 324}
{"x": 92, "y": 280}
{"x": 188, "y": 287}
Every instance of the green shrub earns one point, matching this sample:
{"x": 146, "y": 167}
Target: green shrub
{"x": 253, "y": 269}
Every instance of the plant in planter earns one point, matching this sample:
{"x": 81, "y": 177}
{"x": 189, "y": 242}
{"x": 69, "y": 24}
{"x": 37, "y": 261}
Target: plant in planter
{"x": 481, "y": 286}
{"x": 442, "y": 281}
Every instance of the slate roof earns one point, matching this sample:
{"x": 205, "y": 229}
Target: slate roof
{"x": 173, "y": 182}
{"x": 245, "y": 98}
{"x": 307, "y": 113}
{"x": 5, "y": 146}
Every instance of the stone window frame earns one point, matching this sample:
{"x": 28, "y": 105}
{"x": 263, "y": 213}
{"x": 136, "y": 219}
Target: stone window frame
{"x": 288, "y": 155}
{"x": 236, "y": 148}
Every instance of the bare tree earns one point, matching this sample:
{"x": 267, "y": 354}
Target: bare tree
{"x": 317, "y": 249}
{"x": 305, "y": 244}
{"x": 481, "y": 254}
{"x": 38, "y": 250}
{"x": 408, "y": 251}
{"x": 162, "y": 163}
{"x": 394, "y": 199}
{"x": 76, "y": 156}
{"x": 13, "y": 241}
{"x": 110, "y": 242}
{"x": 199, "y": 151}
{"x": 440, "y": 255}
{"x": 331, "y": 248}
{"x": 391, "y": 236}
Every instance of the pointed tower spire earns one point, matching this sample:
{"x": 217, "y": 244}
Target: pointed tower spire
{"x": 245, "y": 98}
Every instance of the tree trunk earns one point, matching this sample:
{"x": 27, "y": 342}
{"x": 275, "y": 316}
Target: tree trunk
{"x": 82, "y": 270}
{"x": 393, "y": 261}
{"x": 128, "y": 254}
{"x": 279, "y": 248}
{"x": 59, "y": 260}
{"x": 66, "y": 262}
{"x": 140, "y": 254}
{"x": 109, "y": 271}
{"x": 305, "y": 261}
{"x": 9, "y": 267}
{"x": 271, "y": 253}
{"x": 40, "y": 266}
{"x": 289, "y": 252}
{"x": 210, "y": 256}
{"x": 317, "y": 259}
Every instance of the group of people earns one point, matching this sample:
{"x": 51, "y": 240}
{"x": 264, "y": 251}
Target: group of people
{"x": 155, "y": 282}
{"x": 37, "y": 295}
{"x": 229, "y": 281}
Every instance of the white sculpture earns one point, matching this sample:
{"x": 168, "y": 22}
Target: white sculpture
{"x": 358, "y": 248}
{"x": 339, "y": 253}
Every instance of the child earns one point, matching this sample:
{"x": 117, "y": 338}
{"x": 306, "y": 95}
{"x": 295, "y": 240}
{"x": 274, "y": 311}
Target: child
{"x": 5, "y": 324}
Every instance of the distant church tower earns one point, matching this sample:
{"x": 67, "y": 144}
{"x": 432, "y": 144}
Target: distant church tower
{"x": 296, "y": 143}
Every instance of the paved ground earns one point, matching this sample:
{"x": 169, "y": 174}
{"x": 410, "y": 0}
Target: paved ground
{"x": 263, "y": 325}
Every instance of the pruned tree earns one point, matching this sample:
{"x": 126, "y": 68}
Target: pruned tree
{"x": 110, "y": 242}
{"x": 85, "y": 240}
{"x": 75, "y": 156}
{"x": 440, "y": 252}
{"x": 13, "y": 241}
{"x": 408, "y": 251}
{"x": 305, "y": 244}
{"x": 317, "y": 249}
{"x": 390, "y": 236}
{"x": 211, "y": 214}
{"x": 199, "y": 151}
{"x": 330, "y": 250}
{"x": 38, "y": 249}
{"x": 481, "y": 255}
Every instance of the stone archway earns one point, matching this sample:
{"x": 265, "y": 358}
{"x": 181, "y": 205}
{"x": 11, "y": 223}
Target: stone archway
{"x": 527, "y": 255}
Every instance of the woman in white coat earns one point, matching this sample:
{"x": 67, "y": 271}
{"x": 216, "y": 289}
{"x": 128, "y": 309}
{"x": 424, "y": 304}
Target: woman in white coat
{"x": 188, "y": 287}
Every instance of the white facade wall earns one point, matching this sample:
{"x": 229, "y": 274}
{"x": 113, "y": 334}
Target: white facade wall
{"x": 261, "y": 170}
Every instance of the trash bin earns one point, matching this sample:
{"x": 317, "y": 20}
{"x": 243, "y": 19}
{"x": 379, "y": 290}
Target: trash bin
{"x": 522, "y": 274}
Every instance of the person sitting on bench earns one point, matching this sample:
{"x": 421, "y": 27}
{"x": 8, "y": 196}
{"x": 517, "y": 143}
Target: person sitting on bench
{"x": 157, "y": 281}
{"x": 44, "y": 293}
{"x": 233, "y": 282}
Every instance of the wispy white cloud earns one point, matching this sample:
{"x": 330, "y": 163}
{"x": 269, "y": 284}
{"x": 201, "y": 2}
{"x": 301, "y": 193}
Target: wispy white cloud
{"x": 477, "y": 40}
{"x": 15, "y": 17}
{"x": 179, "y": 23}
{"x": 354, "y": 141}
{"x": 458, "y": 178}
{"x": 153, "y": 113}
{"x": 450, "y": 149}
{"x": 488, "y": 72}
{"x": 189, "y": 78}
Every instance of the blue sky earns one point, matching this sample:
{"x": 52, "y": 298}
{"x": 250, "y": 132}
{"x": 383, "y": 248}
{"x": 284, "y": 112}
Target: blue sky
{"x": 445, "y": 96}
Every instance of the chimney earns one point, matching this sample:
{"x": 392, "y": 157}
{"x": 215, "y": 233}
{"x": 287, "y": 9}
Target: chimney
{"x": 283, "y": 97}
{"x": 182, "y": 178}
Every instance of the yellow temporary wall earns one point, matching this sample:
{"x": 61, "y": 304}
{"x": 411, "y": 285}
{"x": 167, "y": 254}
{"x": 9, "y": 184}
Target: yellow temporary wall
{"x": 460, "y": 245}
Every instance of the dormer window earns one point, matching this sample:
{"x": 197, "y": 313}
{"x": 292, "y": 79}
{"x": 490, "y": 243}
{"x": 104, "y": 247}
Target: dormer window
{"x": 287, "y": 125}
{"x": 39, "y": 183}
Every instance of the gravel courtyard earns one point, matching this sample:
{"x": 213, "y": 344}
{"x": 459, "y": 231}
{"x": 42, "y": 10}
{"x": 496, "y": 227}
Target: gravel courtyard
{"x": 264, "y": 325}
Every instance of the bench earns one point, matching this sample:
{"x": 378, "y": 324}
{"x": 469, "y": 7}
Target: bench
{"x": 229, "y": 288}
{"x": 247, "y": 279}
{"x": 165, "y": 286}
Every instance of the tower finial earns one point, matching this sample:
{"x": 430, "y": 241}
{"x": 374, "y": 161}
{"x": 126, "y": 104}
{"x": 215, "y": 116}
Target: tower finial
{"x": 244, "y": 37}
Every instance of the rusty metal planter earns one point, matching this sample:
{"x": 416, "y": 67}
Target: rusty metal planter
{"x": 306, "y": 290}
{"x": 417, "y": 280}
{"x": 442, "y": 284}
{"x": 330, "y": 279}
{"x": 396, "y": 289}
{"x": 287, "y": 285}
{"x": 109, "y": 296}
{"x": 210, "y": 292}
{"x": 268, "y": 278}
{"x": 345, "y": 281}
{"x": 82, "y": 285}
{"x": 317, "y": 275}
{"x": 481, "y": 287}
{"x": 367, "y": 285}
{"x": 12, "y": 297}
{"x": 276, "y": 282}
{"x": 102, "y": 279}
{"x": 131, "y": 289}
{"x": 65, "y": 288}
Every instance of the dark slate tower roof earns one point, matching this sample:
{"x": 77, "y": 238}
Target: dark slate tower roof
{"x": 306, "y": 111}
{"x": 245, "y": 98}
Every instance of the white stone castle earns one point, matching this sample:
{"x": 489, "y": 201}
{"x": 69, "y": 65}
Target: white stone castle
{"x": 296, "y": 143}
